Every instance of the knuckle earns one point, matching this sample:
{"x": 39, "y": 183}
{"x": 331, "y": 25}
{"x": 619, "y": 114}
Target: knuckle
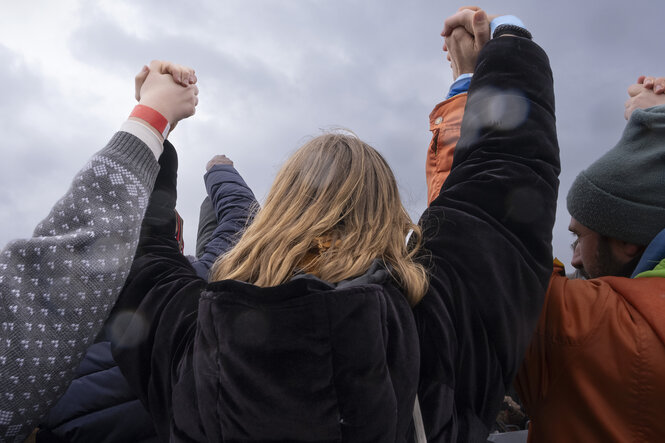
{"x": 458, "y": 32}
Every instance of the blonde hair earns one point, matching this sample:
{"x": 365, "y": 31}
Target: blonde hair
{"x": 333, "y": 209}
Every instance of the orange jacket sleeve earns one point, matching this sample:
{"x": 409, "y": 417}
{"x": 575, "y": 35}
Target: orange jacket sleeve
{"x": 571, "y": 314}
{"x": 445, "y": 122}
{"x": 594, "y": 336}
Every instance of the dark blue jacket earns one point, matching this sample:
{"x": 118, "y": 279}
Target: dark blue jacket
{"x": 99, "y": 406}
{"x": 234, "y": 204}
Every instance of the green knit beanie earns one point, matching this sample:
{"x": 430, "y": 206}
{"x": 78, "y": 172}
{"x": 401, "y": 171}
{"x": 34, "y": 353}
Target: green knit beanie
{"x": 622, "y": 194}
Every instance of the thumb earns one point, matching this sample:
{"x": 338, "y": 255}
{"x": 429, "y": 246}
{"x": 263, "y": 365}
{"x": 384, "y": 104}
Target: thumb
{"x": 635, "y": 89}
{"x": 481, "y": 28}
{"x": 138, "y": 81}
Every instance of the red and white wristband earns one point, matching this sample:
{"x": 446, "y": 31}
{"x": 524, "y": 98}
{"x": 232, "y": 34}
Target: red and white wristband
{"x": 153, "y": 118}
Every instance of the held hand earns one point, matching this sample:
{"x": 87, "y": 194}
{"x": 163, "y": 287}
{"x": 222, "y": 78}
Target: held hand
{"x": 218, "y": 160}
{"x": 459, "y": 46}
{"x": 160, "y": 92}
{"x": 181, "y": 74}
{"x": 465, "y": 34}
{"x": 657, "y": 85}
{"x": 642, "y": 97}
{"x": 464, "y": 18}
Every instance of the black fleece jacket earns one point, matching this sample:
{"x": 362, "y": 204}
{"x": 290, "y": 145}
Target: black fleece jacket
{"x": 489, "y": 236}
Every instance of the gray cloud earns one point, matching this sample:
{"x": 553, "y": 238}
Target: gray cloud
{"x": 273, "y": 73}
{"x": 35, "y": 169}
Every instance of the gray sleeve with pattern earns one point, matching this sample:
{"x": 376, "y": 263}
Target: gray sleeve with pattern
{"x": 57, "y": 287}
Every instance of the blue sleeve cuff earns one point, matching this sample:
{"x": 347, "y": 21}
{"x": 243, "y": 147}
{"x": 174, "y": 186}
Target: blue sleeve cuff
{"x": 505, "y": 20}
{"x": 460, "y": 85}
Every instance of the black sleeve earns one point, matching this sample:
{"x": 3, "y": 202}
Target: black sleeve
{"x": 160, "y": 299}
{"x": 488, "y": 242}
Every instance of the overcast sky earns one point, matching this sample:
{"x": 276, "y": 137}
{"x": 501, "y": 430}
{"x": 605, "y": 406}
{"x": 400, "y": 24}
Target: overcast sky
{"x": 274, "y": 72}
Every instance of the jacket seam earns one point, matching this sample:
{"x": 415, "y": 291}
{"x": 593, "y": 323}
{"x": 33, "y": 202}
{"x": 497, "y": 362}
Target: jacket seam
{"x": 639, "y": 385}
{"x": 333, "y": 368}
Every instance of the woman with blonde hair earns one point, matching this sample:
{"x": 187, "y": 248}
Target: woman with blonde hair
{"x": 333, "y": 209}
{"x": 304, "y": 332}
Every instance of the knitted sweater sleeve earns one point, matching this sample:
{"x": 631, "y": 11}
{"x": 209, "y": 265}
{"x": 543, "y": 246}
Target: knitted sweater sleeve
{"x": 57, "y": 287}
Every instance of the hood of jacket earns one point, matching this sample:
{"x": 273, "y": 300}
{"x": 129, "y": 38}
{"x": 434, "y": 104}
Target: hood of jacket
{"x": 646, "y": 291}
{"x": 652, "y": 262}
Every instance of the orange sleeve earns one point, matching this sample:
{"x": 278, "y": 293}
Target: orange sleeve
{"x": 572, "y": 313}
{"x": 445, "y": 122}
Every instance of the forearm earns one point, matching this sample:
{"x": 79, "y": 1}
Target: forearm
{"x": 504, "y": 177}
{"x": 446, "y": 119}
{"x": 160, "y": 298}
{"x": 488, "y": 234}
{"x": 58, "y": 286}
{"x": 233, "y": 202}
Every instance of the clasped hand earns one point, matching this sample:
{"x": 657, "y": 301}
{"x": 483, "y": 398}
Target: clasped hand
{"x": 168, "y": 88}
{"x": 465, "y": 34}
{"x": 647, "y": 92}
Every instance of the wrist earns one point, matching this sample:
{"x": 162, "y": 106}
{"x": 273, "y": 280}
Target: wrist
{"x": 508, "y": 25}
{"x": 505, "y": 20}
{"x": 153, "y": 118}
{"x": 146, "y": 133}
{"x": 514, "y": 30}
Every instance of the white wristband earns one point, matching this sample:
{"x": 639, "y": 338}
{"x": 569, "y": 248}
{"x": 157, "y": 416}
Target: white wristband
{"x": 144, "y": 133}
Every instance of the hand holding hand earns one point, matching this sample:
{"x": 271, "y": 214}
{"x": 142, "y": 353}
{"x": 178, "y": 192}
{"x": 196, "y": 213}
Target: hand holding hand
{"x": 218, "y": 160}
{"x": 657, "y": 85}
{"x": 643, "y": 94}
{"x": 464, "y": 18}
{"x": 465, "y": 33}
{"x": 181, "y": 74}
{"x": 161, "y": 92}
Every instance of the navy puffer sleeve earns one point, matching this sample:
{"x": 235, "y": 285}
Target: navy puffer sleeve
{"x": 233, "y": 202}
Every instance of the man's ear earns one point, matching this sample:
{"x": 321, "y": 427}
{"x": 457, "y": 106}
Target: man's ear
{"x": 626, "y": 251}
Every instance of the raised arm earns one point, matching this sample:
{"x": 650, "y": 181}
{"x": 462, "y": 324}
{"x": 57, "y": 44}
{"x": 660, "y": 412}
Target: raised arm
{"x": 488, "y": 239}
{"x": 158, "y": 312}
{"x": 233, "y": 203}
{"x": 57, "y": 287}
{"x": 163, "y": 290}
{"x": 445, "y": 120}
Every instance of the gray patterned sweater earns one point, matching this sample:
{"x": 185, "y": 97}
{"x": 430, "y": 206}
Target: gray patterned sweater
{"x": 57, "y": 288}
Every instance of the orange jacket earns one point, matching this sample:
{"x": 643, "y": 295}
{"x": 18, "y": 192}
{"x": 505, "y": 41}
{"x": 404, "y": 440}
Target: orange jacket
{"x": 595, "y": 369}
{"x": 445, "y": 122}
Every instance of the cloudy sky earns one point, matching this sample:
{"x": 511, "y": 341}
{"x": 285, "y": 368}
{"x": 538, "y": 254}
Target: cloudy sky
{"x": 274, "y": 72}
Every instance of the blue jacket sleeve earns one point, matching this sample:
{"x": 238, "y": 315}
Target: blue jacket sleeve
{"x": 233, "y": 202}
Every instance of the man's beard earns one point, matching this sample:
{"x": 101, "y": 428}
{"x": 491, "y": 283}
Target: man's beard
{"x": 607, "y": 264}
